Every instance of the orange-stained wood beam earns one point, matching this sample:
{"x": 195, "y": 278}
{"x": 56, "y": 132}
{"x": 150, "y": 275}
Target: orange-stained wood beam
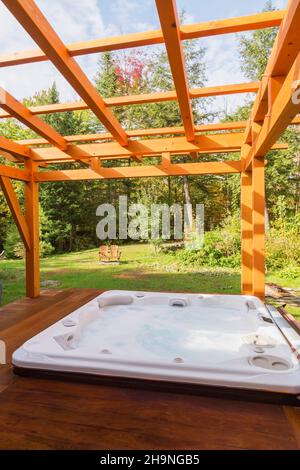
{"x": 166, "y": 159}
{"x": 221, "y": 126}
{"x": 31, "y": 194}
{"x": 286, "y": 46}
{"x": 246, "y": 233}
{"x": 250, "y": 87}
{"x": 20, "y": 112}
{"x": 232, "y": 25}
{"x": 193, "y": 31}
{"x": 211, "y": 143}
{"x": 15, "y": 209}
{"x": 282, "y": 111}
{"x": 17, "y": 150}
{"x": 141, "y": 171}
{"x": 258, "y": 221}
{"x": 281, "y": 114}
{"x": 204, "y": 143}
{"x": 37, "y": 26}
{"x": 95, "y": 164}
{"x": 44, "y": 161}
{"x": 284, "y": 54}
{"x": 170, "y": 26}
{"x": 14, "y": 173}
{"x": 10, "y": 157}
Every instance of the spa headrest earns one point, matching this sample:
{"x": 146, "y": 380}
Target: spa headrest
{"x": 115, "y": 300}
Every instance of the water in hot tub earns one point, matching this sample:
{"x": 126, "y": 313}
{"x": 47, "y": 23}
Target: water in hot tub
{"x": 163, "y": 332}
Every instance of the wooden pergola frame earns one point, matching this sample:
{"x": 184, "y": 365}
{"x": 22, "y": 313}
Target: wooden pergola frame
{"x": 272, "y": 112}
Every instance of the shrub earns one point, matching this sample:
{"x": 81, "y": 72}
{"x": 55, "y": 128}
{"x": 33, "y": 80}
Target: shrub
{"x": 290, "y": 272}
{"x": 283, "y": 244}
{"x": 222, "y": 247}
{"x": 13, "y": 246}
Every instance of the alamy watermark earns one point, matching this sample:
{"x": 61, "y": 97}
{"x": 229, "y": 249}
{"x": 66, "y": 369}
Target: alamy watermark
{"x": 2, "y": 93}
{"x": 2, "y": 353}
{"x": 296, "y": 92}
{"x": 160, "y": 221}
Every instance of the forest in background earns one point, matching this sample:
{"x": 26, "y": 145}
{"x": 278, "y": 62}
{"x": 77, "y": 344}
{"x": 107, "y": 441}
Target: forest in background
{"x": 68, "y": 210}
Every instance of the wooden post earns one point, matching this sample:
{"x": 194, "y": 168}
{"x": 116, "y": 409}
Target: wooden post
{"x": 16, "y": 211}
{"x": 246, "y": 232}
{"x": 32, "y": 219}
{"x": 258, "y": 220}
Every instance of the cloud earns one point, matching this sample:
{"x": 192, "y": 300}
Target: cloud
{"x": 133, "y": 15}
{"x": 281, "y": 4}
{"x": 72, "y": 20}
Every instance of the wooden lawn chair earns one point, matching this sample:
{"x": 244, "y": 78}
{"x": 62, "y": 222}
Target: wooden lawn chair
{"x": 115, "y": 253}
{"x": 104, "y": 254}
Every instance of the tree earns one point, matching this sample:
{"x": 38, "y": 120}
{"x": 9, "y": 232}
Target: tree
{"x": 65, "y": 204}
{"x": 255, "y": 49}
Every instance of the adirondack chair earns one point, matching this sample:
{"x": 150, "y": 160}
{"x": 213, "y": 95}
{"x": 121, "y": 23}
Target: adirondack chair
{"x": 104, "y": 254}
{"x": 115, "y": 253}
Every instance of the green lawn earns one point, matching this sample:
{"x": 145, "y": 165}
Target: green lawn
{"x": 140, "y": 268}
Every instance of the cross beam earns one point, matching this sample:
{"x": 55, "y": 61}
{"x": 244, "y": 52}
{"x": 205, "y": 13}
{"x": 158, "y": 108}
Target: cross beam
{"x": 14, "y": 173}
{"x": 221, "y": 126}
{"x": 180, "y": 169}
{"x": 193, "y": 31}
{"x": 251, "y": 87}
{"x": 211, "y": 143}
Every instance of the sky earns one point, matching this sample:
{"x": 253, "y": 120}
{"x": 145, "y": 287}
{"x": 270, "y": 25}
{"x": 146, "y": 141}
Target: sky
{"x": 79, "y": 20}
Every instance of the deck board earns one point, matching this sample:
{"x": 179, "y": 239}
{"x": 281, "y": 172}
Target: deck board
{"x": 52, "y": 414}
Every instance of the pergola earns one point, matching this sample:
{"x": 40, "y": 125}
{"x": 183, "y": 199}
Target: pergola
{"x": 272, "y": 112}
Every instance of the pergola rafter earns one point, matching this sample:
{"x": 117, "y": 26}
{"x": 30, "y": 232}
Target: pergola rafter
{"x": 171, "y": 31}
{"x": 272, "y": 112}
{"x": 13, "y": 148}
{"x": 24, "y": 115}
{"x": 274, "y": 109}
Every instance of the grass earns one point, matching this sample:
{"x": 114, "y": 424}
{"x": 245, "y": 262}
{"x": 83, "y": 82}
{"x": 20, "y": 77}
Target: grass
{"x": 140, "y": 269}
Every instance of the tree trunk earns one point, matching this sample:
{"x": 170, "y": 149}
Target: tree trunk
{"x": 169, "y": 191}
{"x": 186, "y": 189}
{"x": 71, "y": 239}
{"x": 188, "y": 201}
{"x": 267, "y": 219}
{"x": 297, "y": 187}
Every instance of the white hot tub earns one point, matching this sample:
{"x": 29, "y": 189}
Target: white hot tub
{"x": 228, "y": 341}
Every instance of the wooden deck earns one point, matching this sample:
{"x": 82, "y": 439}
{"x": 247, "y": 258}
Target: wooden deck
{"x": 52, "y": 414}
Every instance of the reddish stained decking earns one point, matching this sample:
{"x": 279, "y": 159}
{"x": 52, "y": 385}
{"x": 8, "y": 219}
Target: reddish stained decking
{"x": 52, "y": 414}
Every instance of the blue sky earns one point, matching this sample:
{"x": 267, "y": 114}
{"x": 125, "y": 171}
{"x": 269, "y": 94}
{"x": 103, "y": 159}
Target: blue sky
{"x": 76, "y": 20}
